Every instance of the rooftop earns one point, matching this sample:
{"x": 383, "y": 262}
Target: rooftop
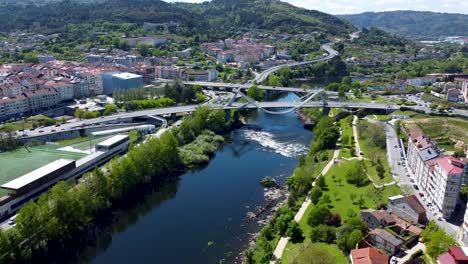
{"x": 112, "y": 140}
{"x": 451, "y": 165}
{"x": 368, "y": 255}
{"x": 126, "y": 75}
{"x": 387, "y": 236}
{"x": 36, "y": 174}
{"x": 428, "y": 154}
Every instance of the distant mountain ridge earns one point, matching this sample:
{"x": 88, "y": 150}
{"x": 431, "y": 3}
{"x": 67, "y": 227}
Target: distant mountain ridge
{"x": 211, "y": 18}
{"x": 413, "y": 24}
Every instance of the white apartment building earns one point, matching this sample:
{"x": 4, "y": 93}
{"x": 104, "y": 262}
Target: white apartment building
{"x": 421, "y": 149}
{"x": 10, "y": 107}
{"x": 42, "y": 98}
{"x": 444, "y": 184}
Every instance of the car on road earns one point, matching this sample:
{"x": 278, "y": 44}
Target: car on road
{"x": 57, "y": 125}
{"x": 41, "y": 131}
{"x": 421, "y": 194}
{"x": 53, "y": 130}
{"x": 393, "y": 260}
{"x": 12, "y": 220}
{"x": 415, "y": 186}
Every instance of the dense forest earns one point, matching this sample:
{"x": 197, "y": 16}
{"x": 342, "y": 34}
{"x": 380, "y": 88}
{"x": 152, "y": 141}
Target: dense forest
{"x": 218, "y": 17}
{"x": 413, "y": 24}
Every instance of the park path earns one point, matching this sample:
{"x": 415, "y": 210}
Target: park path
{"x": 356, "y": 138}
{"x": 278, "y": 253}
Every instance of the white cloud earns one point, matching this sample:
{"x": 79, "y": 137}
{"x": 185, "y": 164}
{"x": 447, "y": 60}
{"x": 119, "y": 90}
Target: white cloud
{"x": 359, "y": 6}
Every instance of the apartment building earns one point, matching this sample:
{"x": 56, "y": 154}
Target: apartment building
{"x": 444, "y": 184}
{"x": 421, "y": 149}
{"x": 42, "y": 98}
{"x": 12, "y": 107}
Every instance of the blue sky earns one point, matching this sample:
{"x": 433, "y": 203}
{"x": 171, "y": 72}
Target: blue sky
{"x": 359, "y": 6}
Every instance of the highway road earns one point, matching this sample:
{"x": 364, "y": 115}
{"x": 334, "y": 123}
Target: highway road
{"x": 331, "y": 54}
{"x": 190, "y": 108}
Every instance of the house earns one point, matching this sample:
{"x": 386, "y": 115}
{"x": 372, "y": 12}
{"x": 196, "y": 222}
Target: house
{"x": 407, "y": 208}
{"x": 455, "y": 255}
{"x": 453, "y": 94}
{"x": 368, "y": 255}
{"x": 385, "y": 240}
{"x": 375, "y": 219}
{"x": 419, "y": 82}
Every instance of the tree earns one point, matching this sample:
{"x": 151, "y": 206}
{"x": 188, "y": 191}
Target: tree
{"x": 380, "y": 169}
{"x": 346, "y": 81}
{"x": 320, "y": 182}
{"x": 315, "y": 194}
{"x": 318, "y": 215}
{"x": 110, "y": 109}
{"x": 357, "y": 175}
{"x": 294, "y": 232}
{"x": 79, "y": 113}
{"x": 255, "y": 93}
{"x": 354, "y": 237}
{"x": 322, "y": 233}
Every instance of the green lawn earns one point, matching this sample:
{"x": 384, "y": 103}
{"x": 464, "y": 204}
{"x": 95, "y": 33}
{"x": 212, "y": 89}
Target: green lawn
{"x": 345, "y": 153}
{"x": 17, "y": 163}
{"x": 347, "y": 131}
{"x": 444, "y": 129}
{"x": 335, "y": 111}
{"x": 306, "y": 255}
{"x": 372, "y": 152}
{"x": 343, "y": 201}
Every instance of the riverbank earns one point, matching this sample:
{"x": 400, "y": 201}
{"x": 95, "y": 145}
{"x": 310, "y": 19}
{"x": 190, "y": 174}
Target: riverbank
{"x": 41, "y": 228}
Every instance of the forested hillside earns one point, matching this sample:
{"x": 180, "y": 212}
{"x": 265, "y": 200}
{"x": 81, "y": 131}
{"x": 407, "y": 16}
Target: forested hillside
{"x": 215, "y": 18}
{"x": 413, "y": 24}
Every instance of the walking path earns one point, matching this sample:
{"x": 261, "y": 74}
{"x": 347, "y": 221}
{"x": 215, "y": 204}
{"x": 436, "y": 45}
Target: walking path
{"x": 356, "y": 138}
{"x": 278, "y": 253}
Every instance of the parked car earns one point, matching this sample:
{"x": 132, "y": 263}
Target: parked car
{"x": 393, "y": 260}
{"x": 416, "y": 186}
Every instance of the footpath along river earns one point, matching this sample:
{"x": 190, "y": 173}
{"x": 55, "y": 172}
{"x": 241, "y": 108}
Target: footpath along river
{"x": 203, "y": 217}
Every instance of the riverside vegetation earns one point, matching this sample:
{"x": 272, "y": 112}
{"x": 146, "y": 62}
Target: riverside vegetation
{"x": 62, "y": 216}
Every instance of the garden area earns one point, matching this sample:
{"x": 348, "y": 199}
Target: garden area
{"x": 372, "y": 141}
{"x": 341, "y": 198}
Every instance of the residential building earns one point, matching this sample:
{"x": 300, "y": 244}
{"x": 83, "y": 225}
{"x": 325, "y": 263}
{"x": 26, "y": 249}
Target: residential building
{"x": 368, "y": 255}
{"x": 13, "y": 107}
{"x": 64, "y": 89}
{"x": 420, "y": 150}
{"x": 377, "y": 218}
{"x": 453, "y": 95}
{"x": 444, "y": 184}
{"x": 381, "y": 238}
{"x": 419, "y": 82}
{"x": 41, "y": 99}
{"x": 407, "y": 208}
{"x": 455, "y": 255}
{"x": 43, "y": 58}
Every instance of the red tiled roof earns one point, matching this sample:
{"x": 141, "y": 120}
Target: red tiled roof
{"x": 446, "y": 258}
{"x": 451, "y": 165}
{"x": 368, "y": 256}
{"x": 458, "y": 254}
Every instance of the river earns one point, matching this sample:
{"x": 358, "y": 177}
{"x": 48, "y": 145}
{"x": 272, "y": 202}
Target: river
{"x": 202, "y": 218}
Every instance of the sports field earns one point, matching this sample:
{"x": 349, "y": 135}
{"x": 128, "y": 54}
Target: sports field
{"x": 17, "y": 163}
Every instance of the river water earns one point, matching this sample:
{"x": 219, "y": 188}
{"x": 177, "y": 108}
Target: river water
{"x": 202, "y": 218}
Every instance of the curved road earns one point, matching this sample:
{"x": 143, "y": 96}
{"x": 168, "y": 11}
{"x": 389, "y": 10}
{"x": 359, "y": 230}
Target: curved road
{"x": 331, "y": 54}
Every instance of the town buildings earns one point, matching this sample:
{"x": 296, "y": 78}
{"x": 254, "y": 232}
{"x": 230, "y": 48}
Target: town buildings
{"x": 121, "y": 81}
{"x": 30, "y": 88}
{"x": 439, "y": 177}
{"x": 174, "y": 72}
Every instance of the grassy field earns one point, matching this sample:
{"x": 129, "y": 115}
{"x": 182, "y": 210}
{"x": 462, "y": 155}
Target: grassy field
{"x": 347, "y": 131}
{"x": 446, "y": 131}
{"x": 372, "y": 152}
{"x": 30, "y": 122}
{"x": 398, "y": 112}
{"x": 344, "y": 198}
{"x": 304, "y": 255}
{"x": 19, "y": 162}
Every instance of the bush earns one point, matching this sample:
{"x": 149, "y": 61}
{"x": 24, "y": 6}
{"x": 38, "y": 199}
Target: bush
{"x": 318, "y": 215}
{"x": 294, "y": 232}
{"x": 323, "y": 233}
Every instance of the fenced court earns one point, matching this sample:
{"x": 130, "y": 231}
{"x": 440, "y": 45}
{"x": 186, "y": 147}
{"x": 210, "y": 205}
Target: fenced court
{"x": 17, "y": 163}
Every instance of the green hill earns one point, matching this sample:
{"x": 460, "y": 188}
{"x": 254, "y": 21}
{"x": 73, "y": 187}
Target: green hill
{"x": 211, "y": 18}
{"x": 413, "y": 24}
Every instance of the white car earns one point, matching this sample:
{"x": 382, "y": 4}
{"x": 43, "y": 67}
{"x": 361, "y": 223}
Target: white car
{"x": 393, "y": 260}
